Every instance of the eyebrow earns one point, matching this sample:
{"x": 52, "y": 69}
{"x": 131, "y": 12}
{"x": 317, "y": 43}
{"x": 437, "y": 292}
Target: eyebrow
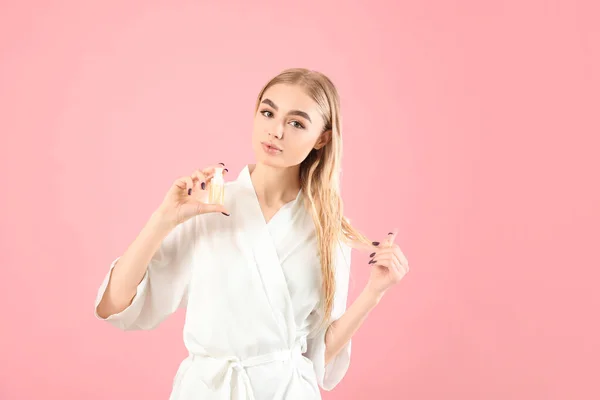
{"x": 293, "y": 112}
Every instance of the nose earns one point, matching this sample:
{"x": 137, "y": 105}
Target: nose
{"x": 276, "y": 131}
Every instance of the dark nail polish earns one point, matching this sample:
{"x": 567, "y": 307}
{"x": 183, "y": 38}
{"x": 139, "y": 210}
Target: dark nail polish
{"x": 225, "y": 214}
{"x": 375, "y": 243}
{"x": 391, "y": 233}
{"x": 372, "y": 254}
{"x": 222, "y": 164}
{"x": 372, "y": 262}
{"x": 203, "y": 185}
{"x": 189, "y": 191}
{"x": 226, "y": 170}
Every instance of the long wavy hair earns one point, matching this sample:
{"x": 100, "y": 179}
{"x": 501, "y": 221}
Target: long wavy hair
{"x": 320, "y": 177}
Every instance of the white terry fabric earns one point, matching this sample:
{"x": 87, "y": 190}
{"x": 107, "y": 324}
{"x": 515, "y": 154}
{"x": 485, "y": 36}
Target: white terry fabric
{"x": 252, "y": 295}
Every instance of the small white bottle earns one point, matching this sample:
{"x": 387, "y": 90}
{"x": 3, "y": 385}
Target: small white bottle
{"x": 216, "y": 189}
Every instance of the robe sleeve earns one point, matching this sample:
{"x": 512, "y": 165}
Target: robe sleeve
{"x": 329, "y": 375}
{"x": 164, "y": 287}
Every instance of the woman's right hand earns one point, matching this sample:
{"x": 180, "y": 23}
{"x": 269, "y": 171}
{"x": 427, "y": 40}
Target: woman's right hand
{"x": 185, "y": 199}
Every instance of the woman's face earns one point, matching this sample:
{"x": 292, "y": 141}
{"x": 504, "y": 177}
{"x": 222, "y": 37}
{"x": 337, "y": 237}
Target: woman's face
{"x": 287, "y": 126}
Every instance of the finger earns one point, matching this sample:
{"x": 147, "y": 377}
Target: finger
{"x": 185, "y": 183}
{"x": 389, "y": 241}
{"x": 390, "y": 262}
{"x": 209, "y": 172}
{"x": 214, "y": 208}
{"x": 393, "y": 251}
{"x": 397, "y": 260}
{"x": 401, "y": 262}
{"x": 199, "y": 180}
{"x": 401, "y": 256}
{"x": 359, "y": 245}
{"x": 385, "y": 260}
{"x": 381, "y": 252}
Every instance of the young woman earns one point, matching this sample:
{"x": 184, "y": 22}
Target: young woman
{"x": 264, "y": 278}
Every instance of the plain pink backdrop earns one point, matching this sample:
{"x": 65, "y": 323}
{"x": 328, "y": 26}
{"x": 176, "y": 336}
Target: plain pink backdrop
{"x": 471, "y": 126}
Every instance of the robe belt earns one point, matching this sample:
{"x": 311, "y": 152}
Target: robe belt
{"x": 234, "y": 368}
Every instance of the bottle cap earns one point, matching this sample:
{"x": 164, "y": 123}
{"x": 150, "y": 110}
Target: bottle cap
{"x": 218, "y": 174}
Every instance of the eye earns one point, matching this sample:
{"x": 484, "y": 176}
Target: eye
{"x": 267, "y": 113}
{"x": 297, "y": 125}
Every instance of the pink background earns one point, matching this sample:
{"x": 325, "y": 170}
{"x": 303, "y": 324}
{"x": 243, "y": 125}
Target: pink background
{"x": 471, "y": 126}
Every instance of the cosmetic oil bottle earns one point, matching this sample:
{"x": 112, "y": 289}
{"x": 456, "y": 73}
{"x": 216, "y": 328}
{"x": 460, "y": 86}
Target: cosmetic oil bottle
{"x": 216, "y": 188}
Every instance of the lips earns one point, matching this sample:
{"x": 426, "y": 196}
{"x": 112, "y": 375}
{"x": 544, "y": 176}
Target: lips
{"x": 270, "y": 149}
{"x": 271, "y": 146}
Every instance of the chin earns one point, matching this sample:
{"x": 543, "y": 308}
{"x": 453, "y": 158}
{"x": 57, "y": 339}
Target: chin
{"x": 266, "y": 159}
{"x": 270, "y": 161}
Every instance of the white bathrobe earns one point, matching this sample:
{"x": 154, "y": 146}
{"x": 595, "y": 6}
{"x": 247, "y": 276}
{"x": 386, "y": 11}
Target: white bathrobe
{"x": 251, "y": 290}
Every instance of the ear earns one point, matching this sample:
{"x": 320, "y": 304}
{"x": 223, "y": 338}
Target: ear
{"x": 323, "y": 139}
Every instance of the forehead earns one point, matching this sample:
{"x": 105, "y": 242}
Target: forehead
{"x": 291, "y": 97}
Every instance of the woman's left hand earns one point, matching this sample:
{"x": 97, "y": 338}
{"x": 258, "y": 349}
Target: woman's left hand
{"x": 389, "y": 265}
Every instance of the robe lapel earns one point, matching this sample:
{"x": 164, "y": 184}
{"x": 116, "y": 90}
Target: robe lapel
{"x": 262, "y": 252}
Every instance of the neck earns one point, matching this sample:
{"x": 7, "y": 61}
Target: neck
{"x": 275, "y": 186}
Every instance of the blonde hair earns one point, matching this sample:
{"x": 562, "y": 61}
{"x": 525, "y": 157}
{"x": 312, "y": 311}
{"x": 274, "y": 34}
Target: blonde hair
{"x": 320, "y": 177}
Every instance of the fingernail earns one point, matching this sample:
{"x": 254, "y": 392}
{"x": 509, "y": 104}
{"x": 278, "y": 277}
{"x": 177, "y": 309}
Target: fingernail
{"x": 225, "y": 214}
{"x": 222, "y": 164}
{"x": 391, "y": 233}
{"x": 375, "y": 243}
{"x": 226, "y": 170}
{"x": 189, "y": 191}
{"x": 203, "y": 185}
{"x": 372, "y": 262}
{"x": 372, "y": 254}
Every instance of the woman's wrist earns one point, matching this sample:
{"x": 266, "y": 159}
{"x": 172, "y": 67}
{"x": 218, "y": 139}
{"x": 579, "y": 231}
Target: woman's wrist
{"x": 372, "y": 296}
{"x": 162, "y": 221}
